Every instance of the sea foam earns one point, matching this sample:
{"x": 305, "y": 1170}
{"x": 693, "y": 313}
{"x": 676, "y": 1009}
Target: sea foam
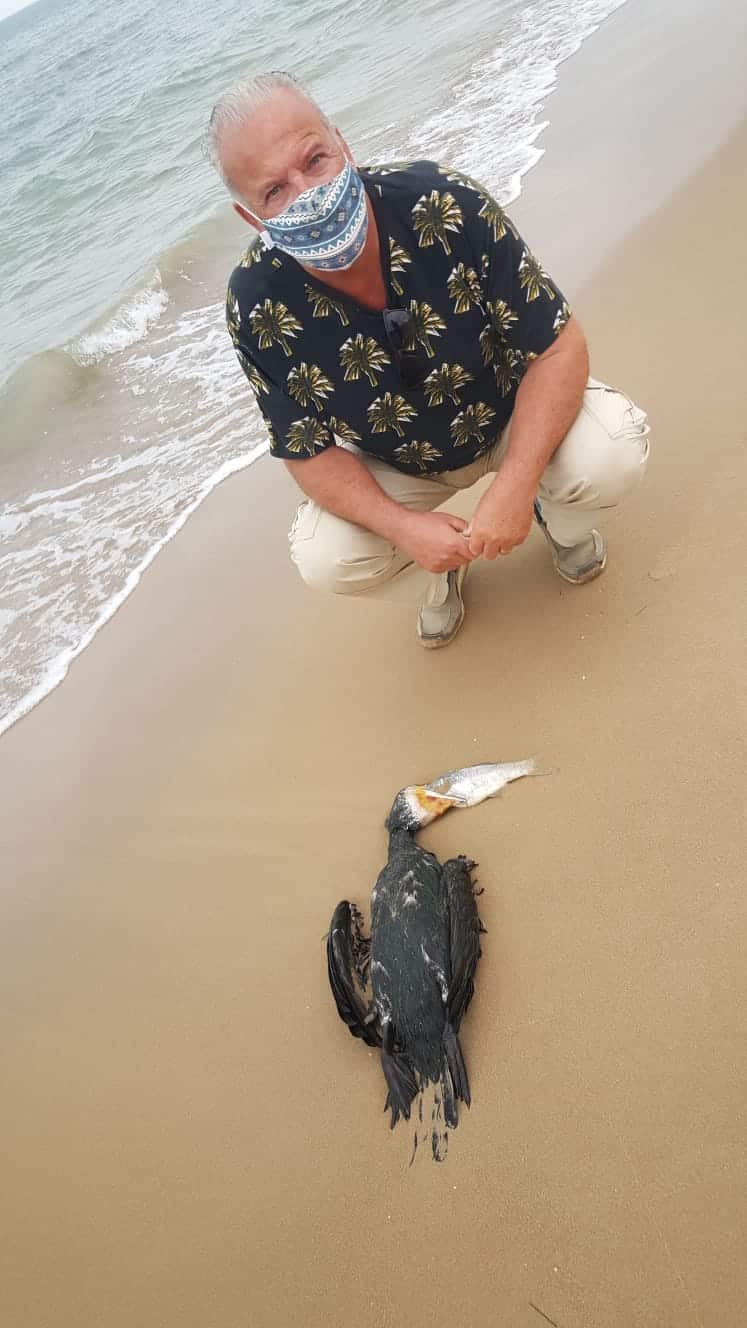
{"x": 129, "y": 324}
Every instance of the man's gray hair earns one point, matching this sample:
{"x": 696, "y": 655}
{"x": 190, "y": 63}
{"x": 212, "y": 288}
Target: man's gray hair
{"x": 239, "y": 103}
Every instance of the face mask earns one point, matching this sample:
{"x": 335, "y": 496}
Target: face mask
{"x": 326, "y": 227}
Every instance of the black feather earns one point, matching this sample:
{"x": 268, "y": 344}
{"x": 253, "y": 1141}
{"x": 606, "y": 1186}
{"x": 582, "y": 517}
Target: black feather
{"x": 464, "y": 936}
{"x": 345, "y": 944}
{"x": 420, "y": 964}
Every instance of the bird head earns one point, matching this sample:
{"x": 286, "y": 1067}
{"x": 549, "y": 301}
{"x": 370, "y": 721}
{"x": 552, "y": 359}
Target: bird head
{"x": 416, "y": 806}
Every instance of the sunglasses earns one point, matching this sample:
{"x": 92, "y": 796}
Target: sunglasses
{"x": 400, "y": 329}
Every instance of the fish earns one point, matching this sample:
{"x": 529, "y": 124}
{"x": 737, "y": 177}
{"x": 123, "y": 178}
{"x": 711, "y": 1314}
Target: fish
{"x": 471, "y": 784}
{"x": 405, "y": 988}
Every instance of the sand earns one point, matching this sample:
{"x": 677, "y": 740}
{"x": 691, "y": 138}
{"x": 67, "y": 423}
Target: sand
{"x": 190, "y": 1137}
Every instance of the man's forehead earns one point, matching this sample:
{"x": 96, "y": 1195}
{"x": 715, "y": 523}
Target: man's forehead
{"x": 275, "y": 130}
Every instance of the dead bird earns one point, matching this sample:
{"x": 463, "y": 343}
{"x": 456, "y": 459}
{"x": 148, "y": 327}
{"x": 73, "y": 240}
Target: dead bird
{"x": 406, "y": 988}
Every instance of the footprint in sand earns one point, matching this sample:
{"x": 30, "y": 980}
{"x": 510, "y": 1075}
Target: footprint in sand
{"x": 667, "y": 564}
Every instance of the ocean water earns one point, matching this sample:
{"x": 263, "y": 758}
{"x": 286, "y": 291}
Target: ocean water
{"x": 121, "y": 404}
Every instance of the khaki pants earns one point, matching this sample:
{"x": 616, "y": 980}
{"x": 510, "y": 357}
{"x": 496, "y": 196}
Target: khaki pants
{"x": 599, "y": 462}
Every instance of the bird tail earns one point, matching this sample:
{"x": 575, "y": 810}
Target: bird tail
{"x": 454, "y": 1078}
{"x": 401, "y": 1080}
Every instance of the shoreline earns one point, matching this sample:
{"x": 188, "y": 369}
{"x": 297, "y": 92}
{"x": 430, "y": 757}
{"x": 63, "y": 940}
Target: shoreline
{"x": 161, "y": 268}
{"x": 545, "y": 207}
{"x": 192, "y": 1136}
{"x": 619, "y": 144}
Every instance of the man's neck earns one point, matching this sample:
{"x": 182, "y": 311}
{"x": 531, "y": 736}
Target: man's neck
{"x": 364, "y": 280}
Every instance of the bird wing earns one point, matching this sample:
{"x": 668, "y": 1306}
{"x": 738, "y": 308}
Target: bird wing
{"x": 347, "y": 963}
{"x": 464, "y": 936}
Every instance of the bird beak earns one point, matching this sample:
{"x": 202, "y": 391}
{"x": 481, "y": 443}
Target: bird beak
{"x": 433, "y": 803}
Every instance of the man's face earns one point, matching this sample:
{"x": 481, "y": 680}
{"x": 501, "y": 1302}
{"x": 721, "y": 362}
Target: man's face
{"x": 283, "y": 150}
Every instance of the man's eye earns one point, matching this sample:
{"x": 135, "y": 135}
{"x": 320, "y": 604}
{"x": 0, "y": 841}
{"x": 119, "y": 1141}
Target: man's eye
{"x": 316, "y": 157}
{"x": 273, "y": 193}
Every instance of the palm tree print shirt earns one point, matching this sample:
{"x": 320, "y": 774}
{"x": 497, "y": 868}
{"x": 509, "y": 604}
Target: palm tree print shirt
{"x": 321, "y": 365}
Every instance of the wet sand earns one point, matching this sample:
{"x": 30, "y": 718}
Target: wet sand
{"x": 190, "y": 1136}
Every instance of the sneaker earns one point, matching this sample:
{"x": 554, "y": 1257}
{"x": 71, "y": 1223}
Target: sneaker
{"x": 583, "y": 562}
{"x": 442, "y": 612}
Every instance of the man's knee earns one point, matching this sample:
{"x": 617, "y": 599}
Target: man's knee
{"x": 322, "y": 570}
{"x": 335, "y": 557}
{"x": 605, "y": 453}
{"x": 618, "y": 467}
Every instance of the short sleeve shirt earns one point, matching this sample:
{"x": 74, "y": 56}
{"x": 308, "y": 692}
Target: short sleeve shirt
{"x": 482, "y": 307}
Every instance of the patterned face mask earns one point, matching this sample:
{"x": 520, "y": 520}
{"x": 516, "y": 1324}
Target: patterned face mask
{"x": 326, "y": 227}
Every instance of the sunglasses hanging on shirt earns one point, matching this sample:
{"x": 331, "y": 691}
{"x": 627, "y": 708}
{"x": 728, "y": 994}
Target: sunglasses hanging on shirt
{"x": 401, "y": 330}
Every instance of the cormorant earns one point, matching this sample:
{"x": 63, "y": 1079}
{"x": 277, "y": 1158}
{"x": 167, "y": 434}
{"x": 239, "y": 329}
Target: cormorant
{"x": 406, "y": 988}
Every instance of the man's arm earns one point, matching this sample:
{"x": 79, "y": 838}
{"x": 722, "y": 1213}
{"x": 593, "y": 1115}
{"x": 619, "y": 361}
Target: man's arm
{"x": 547, "y": 402}
{"x": 337, "y": 481}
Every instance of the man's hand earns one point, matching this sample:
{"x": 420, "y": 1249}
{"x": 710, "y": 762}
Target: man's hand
{"x": 502, "y": 520}
{"x": 434, "y": 540}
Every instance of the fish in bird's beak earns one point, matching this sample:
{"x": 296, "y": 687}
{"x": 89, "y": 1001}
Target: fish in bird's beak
{"x": 474, "y": 783}
{"x": 419, "y": 804}
{"x": 432, "y": 804}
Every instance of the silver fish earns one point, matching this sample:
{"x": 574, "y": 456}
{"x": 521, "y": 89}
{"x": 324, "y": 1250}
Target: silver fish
{"x": 475, "y": 783}
{"x": 457, "y": 788}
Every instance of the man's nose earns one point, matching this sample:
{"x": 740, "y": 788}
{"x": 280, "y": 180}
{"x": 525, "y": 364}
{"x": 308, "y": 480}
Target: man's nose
{"x": 297, "y": 180}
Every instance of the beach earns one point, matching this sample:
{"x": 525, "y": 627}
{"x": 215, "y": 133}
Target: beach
{"x": 190, "y": 1135}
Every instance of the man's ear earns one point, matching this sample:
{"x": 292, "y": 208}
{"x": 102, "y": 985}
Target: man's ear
{"x": 246, "y": 216}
